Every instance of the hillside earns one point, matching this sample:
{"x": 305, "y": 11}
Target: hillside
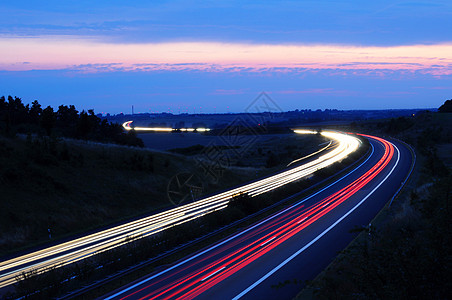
{"x": 73, "y": 186}
{"x": 407, "y": 253}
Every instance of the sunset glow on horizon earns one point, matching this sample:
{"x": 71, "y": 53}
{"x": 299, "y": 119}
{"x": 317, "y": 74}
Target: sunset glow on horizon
{"x": 23, "y": 54}
{"x": 171, "y": 56}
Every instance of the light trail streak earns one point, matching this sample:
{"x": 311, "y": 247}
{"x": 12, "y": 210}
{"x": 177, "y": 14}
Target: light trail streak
{"x": 78, "y": 249}
{"x": 287, "y": 260}
{"x": 126, "y": 126}
{"x": 312, "y": 154}
{"x": 212, "y": 274}
{"x": 282, "y": 229}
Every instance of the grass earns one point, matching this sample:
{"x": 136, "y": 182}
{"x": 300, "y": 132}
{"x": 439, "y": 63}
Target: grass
{"x": 73, "y": 187}
{"x": 70, "y": 187}
{"x": 444, "y": 151}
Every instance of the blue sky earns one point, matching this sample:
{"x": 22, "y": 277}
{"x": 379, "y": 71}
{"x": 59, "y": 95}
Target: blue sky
{"x": 100, "y": 44}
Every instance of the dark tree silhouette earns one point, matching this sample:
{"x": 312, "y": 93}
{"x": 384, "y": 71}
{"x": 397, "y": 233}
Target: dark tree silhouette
{"x": 446, "y": 107}
{"x": 48, "y": 119}
{"x": 67, "y": 121}
{"x": 3, "y": 113}
{"x": 35, "y": 112}
{"x": 17, "y": 111}
{"x": 3, "y": 104}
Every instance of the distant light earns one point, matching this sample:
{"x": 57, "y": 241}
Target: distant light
{"x": 127, "y": 127}
{"x": 304, "y": 131}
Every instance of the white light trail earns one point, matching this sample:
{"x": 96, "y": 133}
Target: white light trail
{"x": 126, "y": 126}
{"x": 86, "y": 246}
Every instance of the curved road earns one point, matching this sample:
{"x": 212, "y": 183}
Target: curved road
{"x": 295, "y": 243}
{"x": 78, "y": 249}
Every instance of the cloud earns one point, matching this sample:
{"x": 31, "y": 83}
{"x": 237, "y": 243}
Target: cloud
{"x": 322, "y": 91}
{"x": 91, "y": 55}
{"x": 434, "y": 87}
{"x": 229, "y": 92}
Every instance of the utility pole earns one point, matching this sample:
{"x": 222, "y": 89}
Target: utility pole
{"x": 132, "y": 110}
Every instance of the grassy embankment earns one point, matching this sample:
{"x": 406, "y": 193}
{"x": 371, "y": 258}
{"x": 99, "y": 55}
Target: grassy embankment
{"x": 72, "y": 186}
{"x": 408, "y": 253}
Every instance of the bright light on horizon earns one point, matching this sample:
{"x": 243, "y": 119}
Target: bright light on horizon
{"x": 126, "y": 126}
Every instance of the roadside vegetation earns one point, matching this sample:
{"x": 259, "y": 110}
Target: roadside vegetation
{"x": 71, "y": 186}
{"x": 66, "y": 121}
{"x": 407, "y": 254}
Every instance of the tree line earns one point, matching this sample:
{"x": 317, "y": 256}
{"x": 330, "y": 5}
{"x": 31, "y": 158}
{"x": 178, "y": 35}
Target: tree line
{"x": 67, "y": 121}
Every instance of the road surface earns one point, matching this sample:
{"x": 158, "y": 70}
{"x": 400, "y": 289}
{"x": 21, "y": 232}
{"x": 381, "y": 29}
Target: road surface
{"x": 294, "y": 244}
{"x": 78, "y": 249}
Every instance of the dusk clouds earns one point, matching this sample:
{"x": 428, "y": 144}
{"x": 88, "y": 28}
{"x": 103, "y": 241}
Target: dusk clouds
{"x": 37, "y": 53}
{"x": 295, "y": 50}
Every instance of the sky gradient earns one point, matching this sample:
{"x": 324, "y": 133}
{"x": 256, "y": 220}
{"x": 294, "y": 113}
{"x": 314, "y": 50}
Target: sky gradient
{"x": 217, "y": 56}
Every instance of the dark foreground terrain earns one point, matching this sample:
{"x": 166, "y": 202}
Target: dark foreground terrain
{"x": 406, "y": 254}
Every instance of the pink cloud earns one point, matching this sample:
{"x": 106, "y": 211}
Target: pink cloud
{"x": 325, "y": 91}
{"x": 434, "y": 87}
{"x": 228, "y": 92}
{"x": 89, "y": 55}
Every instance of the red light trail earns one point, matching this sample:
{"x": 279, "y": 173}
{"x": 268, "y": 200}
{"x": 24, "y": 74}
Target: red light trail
{"x": 281, "y": 229}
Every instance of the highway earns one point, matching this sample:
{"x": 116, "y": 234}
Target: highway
{"x": 296, "y": 243}
{"x": 80, "y": 248}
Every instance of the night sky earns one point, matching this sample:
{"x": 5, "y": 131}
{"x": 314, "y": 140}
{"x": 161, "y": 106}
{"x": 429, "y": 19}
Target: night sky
{"x": 217, "y": 56}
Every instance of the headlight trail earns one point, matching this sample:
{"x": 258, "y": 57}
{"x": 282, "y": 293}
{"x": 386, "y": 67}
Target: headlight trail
{"x": 312, "y": 154}
{"x": 126, "y": 126}
{"x": 194, "y": 278}
{"x": 81, "y": 248}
